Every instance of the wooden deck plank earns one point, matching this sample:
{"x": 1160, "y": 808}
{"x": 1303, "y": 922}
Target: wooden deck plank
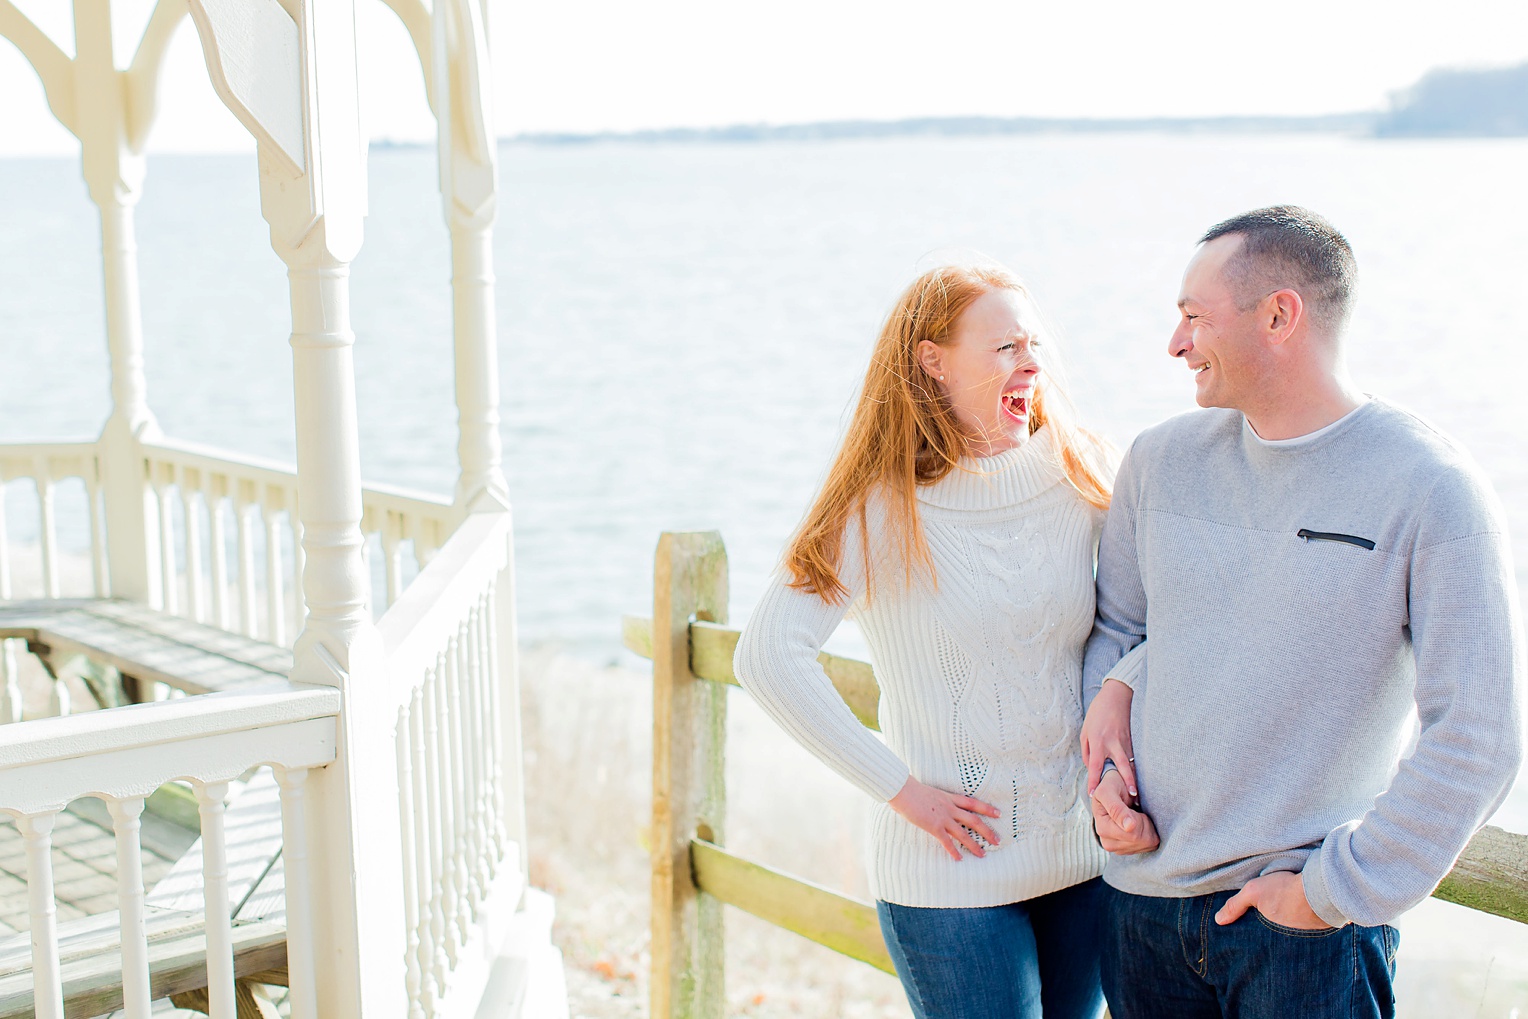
{"x": 145, "y": 644}
{"x": 92, "y": 960}
{"x": 252, "y": 826}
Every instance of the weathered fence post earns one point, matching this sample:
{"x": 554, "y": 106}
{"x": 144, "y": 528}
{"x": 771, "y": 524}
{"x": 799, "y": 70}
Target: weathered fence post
{"x": 689, "y": 787}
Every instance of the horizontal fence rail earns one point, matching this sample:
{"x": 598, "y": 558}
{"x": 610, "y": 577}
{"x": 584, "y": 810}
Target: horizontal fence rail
{"x": 121, "y": 757}
{"x": 1491, "y": 875}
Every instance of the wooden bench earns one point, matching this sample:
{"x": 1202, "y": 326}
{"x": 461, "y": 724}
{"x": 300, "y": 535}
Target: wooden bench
{"x": 145, "y": 646}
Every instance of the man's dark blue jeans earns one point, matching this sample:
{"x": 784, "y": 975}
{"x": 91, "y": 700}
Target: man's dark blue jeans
{"x": 1168, "y": 959}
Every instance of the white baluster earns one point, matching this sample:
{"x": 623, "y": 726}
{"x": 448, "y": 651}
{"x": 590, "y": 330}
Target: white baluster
{"x": 217, "y": 532}
{"x": 244, "y": 513}
{"x": 301, "y": 971}
{"x": 49, "y": 535}
{"x": 299, "y": 557}
{"x": 490, "y": 861}
{"x": 460, "y": 912}
{"x": 101, "y": 584}
{"x": 196, "y": 591}
{"x": 420, "y": 838}
{"x": 496, "y": 731}
{"x": 10, "y": 673}
{"x": 126, "y": 822}
{"x": 392, "y": 557}
{"x": 167, "y": 541}
{"x": 220, "y": 991}
{"x": 10, "y": 696}
{"x": 406, "y": 825}
{"x": 472, "y": 764}
{"x": 59, "y": 703}
{"x": 440, "y": 873}
{"x": 47, "y": 974}
{"x": 275, "y": 602}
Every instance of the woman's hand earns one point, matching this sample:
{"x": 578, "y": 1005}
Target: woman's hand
{"x": 1106, "y": 734}
{"x": 949, "y": 817}
{"x": 1122, "y": 830}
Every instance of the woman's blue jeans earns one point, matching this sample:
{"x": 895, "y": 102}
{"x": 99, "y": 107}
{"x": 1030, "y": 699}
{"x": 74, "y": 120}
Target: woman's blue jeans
{"x": 1024, "y": 960}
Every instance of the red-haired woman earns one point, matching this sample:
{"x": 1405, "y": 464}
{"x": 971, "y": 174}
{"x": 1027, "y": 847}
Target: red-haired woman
{"x": 959, "y": 523}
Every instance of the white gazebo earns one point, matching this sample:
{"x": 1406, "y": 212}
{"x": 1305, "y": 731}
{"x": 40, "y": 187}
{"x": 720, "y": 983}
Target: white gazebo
{"x": 359, "y": 786}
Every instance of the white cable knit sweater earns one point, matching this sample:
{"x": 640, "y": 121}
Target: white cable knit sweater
{"x": 981, "y": 678}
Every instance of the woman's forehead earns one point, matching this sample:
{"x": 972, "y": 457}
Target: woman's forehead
{"x": 1000, "y": 313}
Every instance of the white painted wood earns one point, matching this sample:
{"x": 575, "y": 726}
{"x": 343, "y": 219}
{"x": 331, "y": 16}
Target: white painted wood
{"x": 460, "y": 912}
{"x": 215, "y": 496}
{"x": 426, "y": 616}
{"x": 126, "y": 817}
{"x": 407, "y": 826}
{"x": 196, "y": 588}
{"x": 244, "y": 514}
{"x": 419, "y": 839}
{"x": 275, "y": 603}
{"x": 50, "y": 62}
{"x": 253, "y": 52}
{"x": 210, "y": 798}
{"x": 439, "y": 880}
{"x": 297, "y": 873}
{"x": 101, "y": 585}
{"x": 47, "y": 978}
{"x": 10, "y": 683}
{"x": 48, "y": 514}
{"x": 169, "y": 575}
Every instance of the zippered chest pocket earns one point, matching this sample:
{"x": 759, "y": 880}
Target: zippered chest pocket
{"x": 1347, "y": 539}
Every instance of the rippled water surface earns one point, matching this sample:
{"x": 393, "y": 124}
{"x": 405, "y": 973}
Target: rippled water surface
{"x": 682, "y": 327}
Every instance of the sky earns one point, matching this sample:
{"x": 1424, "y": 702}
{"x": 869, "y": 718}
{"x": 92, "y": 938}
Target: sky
{"x": 620, "y": 65}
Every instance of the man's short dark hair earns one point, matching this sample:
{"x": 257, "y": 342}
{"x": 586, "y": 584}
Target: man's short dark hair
{"x": 1287, "y": 246}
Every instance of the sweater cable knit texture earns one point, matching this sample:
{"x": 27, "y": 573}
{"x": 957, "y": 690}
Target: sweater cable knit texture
{"x": 980, "y": 674}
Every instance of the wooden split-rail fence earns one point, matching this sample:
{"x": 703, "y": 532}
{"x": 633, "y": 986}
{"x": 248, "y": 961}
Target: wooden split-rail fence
{"x": 694, "y": 875}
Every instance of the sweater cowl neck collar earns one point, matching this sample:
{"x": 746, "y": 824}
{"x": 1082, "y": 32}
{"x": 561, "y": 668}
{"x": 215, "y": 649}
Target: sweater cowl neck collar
{"x": 990, "y": 482}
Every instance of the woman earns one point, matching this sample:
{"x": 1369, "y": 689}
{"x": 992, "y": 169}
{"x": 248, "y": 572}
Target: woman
{"x": 959, "y": 522}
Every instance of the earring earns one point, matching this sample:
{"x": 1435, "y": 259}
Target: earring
{"x": 941, "y": 378}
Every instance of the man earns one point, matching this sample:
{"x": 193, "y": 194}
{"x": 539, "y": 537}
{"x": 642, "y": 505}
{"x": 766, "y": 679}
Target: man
{"x": 1306, "y": 565}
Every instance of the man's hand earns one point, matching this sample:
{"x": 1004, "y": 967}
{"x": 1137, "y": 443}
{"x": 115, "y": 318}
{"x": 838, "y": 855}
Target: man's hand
{"x": 1121, "y": 829}
{"x": 1106, "y": 734}
{"x": 1279, "y": 896}
{"x": 949, "y": 817}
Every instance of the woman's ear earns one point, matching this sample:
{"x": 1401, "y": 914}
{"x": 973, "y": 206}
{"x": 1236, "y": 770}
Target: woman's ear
{"x": 931, "y": 358}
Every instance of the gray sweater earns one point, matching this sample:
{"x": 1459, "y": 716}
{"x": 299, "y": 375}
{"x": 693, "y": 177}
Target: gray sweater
{"x": 1275, "y": 717}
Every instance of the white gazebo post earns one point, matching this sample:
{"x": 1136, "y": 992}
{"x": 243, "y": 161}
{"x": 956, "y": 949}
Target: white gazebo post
{"x": 294, "y": 86}
{"x": 110, "y": 112}
{"x": 467, "y": 149}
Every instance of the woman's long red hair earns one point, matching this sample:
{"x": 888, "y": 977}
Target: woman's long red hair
{"x": 904, "y": 434}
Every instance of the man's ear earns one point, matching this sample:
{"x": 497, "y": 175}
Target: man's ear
{"x": 930, "y": 358}
{"x": 1283, "y": 311}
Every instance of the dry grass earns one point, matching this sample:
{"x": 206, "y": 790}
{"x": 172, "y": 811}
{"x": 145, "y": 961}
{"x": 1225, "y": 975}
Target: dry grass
{"x": 588, "y": 730}
{"x": 589, "y": 733}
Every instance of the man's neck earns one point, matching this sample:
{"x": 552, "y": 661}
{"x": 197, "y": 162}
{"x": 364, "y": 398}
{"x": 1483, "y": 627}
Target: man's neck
{"x": 1309, "y": 408}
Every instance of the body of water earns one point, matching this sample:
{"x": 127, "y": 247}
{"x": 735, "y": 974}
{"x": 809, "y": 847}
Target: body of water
{"x": 682, "y": 326}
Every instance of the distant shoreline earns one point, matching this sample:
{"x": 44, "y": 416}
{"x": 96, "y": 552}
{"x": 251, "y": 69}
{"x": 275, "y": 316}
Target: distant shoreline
{"x": 1359, "y": 124}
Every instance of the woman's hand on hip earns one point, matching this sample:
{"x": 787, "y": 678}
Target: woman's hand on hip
{"x": 1106, "y": 735}
{"x": 949, "y": 817}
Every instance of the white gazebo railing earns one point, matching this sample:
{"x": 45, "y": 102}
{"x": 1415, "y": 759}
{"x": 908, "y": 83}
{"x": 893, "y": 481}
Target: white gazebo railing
{"x": 395, "y": 879}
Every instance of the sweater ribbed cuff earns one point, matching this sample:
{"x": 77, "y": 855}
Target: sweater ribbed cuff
{"x": 1314, "y": 882}
{"x": 1129, "y": 669}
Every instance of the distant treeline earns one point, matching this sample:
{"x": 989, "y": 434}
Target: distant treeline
{"x": 1461, "y": 103}
{"x": 1445, "y": 103}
